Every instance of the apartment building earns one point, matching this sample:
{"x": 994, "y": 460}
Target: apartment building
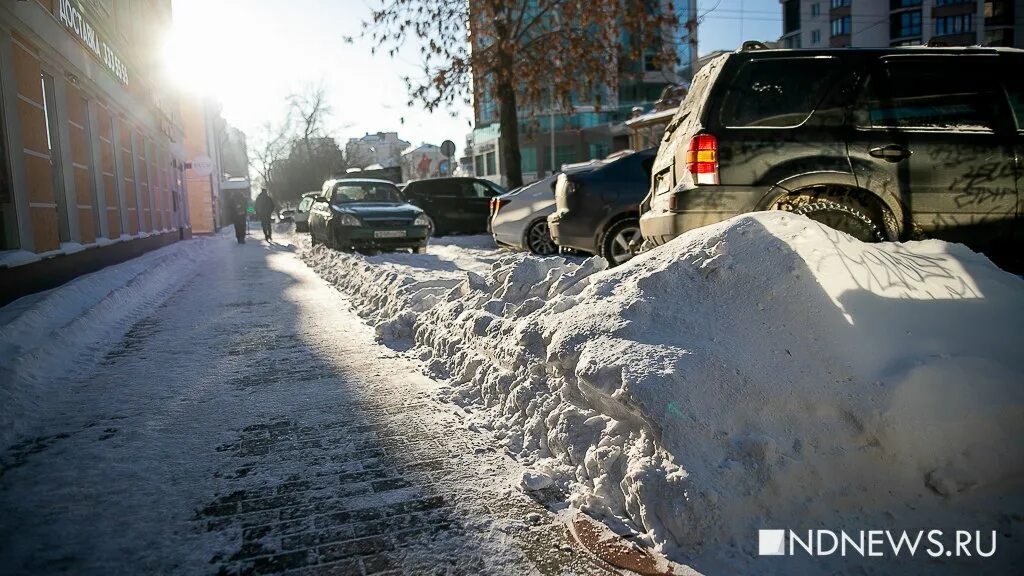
{"x": 877, "y": 23}
{"x": 91, "y": 154}
{"x": 594, "y": 128}
{"x": 382, "y": 148}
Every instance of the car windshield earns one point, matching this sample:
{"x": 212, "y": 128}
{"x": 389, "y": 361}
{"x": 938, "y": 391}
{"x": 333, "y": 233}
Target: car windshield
{"x": 366, "y": 192}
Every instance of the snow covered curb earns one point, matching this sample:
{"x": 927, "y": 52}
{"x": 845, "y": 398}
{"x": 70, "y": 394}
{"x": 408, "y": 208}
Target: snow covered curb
{"x": 763, "y": 372}
{"x": 47, "y": 337}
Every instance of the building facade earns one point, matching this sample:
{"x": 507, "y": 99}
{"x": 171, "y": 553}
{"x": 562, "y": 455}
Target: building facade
{"x": 234, "y": 153}
{"x": 424, "y": 161}
{"x": 203, "y": 137}
{"x": 92, "y": 163}
{"x": 382, "y": 148}
{"x": 881, "y": 23}
{"x": 550, "y": 138}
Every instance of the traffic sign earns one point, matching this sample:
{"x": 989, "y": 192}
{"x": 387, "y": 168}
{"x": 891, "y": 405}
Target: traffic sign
{"x": 448, "y": 148}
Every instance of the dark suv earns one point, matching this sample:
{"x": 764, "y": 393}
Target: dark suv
{"x": 596, "y": 210}
{"x": 884, "y": 144}
{"x": 454, "y": 204}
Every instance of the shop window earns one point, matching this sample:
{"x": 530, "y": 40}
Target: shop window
{"x": 49, "y": 108}
{"x": 478, "y": 163}
{"x": 94, "y": 194}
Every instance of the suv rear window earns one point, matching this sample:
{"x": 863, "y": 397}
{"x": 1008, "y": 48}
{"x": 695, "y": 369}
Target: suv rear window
{"x": 776, "y": 92}
{"x": 929, "y": 94}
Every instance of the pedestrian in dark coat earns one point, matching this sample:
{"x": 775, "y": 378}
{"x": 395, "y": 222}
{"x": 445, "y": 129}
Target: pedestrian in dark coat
{"x": 264, "y": 208}
{"x": 238, "y": 209}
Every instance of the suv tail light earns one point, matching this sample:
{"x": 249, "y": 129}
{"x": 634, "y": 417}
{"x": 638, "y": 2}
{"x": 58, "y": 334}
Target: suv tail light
{"x": 702, "y": 159}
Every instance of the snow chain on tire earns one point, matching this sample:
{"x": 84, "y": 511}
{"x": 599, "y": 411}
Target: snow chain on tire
{"x": 825, "y": 205}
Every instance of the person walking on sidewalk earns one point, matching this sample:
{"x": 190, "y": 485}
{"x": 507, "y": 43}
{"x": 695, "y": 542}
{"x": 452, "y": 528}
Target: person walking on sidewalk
{"x": 238, "y": 209}
{"x": 264, "y": 208}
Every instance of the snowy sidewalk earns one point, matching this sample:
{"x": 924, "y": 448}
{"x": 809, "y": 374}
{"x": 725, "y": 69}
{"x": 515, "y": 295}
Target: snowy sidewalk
{"x": 250, "y": 424}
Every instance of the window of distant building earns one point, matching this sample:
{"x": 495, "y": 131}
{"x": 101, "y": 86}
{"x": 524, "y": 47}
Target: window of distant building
{"x": 815, "y": 9}
{"x": 904, "y": 24}
{"x": 842, "y": 26}
{"x": 952, "y": 2}
{"x": 478, "y": 165}
{"x": 896, "y": 4}
{"x": 815, "y": 37}
{"x": 529, "y": 159}
{"x": 564, "y": 154}
{"x": 840, "y": 3}
{"x": 598, "y": 150}
{"x": 955, "y": 24}
{"x": 491, "y": 165}
{"x": 999, "y": 37}
{"x": 791, "y": 16}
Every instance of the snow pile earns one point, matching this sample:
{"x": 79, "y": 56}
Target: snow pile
{"x": 766, "y": 372}
{"x": 63, "y": 332}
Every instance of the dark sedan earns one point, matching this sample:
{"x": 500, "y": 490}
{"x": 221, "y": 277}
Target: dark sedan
{"x": 365, "y": 214}
{"x": 454, "y": 204}
{"x": 598, "y": 210}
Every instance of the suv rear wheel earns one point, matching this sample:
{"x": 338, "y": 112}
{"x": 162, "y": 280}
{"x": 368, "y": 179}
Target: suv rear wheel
{"x": 615, "y": 244}
{"x": 843, "y": 218}
{"x": 851, "y": 212}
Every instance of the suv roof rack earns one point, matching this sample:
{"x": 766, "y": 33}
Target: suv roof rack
{"x": 751, "y": 45}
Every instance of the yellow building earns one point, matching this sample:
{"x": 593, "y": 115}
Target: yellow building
{"x": 92, "y": 157}
{"x": 203, "y": 129}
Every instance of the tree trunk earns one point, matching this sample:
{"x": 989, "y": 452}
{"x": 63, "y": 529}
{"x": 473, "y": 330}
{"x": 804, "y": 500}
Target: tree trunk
{"x": 511, "y": 159}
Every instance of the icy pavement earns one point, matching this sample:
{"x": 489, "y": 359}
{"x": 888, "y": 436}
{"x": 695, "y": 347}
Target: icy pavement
{"x": 249, "y": 423}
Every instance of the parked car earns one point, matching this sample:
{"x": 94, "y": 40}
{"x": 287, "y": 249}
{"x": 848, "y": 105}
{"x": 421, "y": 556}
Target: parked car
{"x": 597, "y": 211}
{"x": 366, "y": 214}
{"x": 884, "y": 144}
{"x": 286, "y": 215}
{"x": 302, "y": 211}
{"x": 520, "y": 218}
{"x": 454, "y": 204}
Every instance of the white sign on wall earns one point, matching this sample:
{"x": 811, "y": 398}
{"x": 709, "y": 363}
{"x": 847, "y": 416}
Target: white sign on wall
{"x": 202, "y": 165}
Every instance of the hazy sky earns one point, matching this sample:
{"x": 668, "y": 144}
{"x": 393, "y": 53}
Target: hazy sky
{"x": 251, "y": 54}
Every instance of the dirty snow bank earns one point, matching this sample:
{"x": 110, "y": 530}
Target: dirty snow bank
{"x": 765, "y": 372}
{"x": 63, "y": 332}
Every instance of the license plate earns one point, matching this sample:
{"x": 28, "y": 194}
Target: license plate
{"x": 389, "y": 234}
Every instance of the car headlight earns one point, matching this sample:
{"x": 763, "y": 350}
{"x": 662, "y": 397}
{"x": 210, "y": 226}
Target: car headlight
{"x": 421, "y": 220}
{"x": 348, "y": 220}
